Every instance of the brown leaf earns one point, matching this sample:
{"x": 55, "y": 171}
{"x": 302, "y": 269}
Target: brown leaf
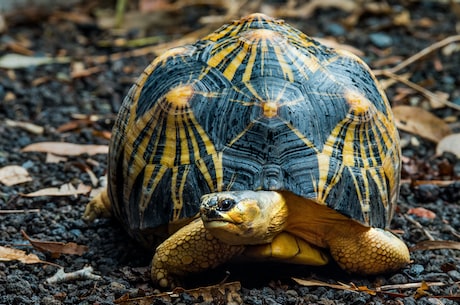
{"x": 56, "y": 248}
{"x": 11, "y": 254}
{"x": 436, "y": 244}
{"x": 14, "y": 174}
{"x": 422, "y": 290}
{"x": 450, "y": 143}
{"x": 422, "y": 212}
{"x": 66, "y": 149}
{"x": 65, "y": 190}
{"x": 226, "y": 293}
{"x": 309, "y": 283}
{"x": 32, "y": 128}
{"x": 420, "y": 122}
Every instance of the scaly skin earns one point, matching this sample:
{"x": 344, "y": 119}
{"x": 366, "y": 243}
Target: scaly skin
{"x": 306, "y": 225}
{"x": 191, "y": 249}
{"x": 292, "y": 229}
{"x": 99, "y": 206}
{"x": 369, "y": 251}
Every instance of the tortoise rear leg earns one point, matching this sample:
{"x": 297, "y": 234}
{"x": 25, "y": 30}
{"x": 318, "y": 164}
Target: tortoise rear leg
{"x": 368, "y": 250}
{"x": 190, "y": 249}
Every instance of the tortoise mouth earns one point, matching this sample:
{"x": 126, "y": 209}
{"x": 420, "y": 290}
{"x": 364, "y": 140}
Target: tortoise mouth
{"x": 211, "y": 216}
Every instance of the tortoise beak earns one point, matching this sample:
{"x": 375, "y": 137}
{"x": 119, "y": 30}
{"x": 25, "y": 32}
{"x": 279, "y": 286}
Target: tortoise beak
{"x": 210, "y": 213}
{"x": 212, "y": 209}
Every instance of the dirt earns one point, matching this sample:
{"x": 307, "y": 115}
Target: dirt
{"x": 49, "y": 96}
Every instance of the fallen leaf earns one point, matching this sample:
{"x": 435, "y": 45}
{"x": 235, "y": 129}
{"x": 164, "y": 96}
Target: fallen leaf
{"x": 66, "y": 149}
{"x": 420, "y": 122}
{"x": 309, "y": 283}
{"x": 436, "y": 244}
{"x": 226, "y": 293}
{"x": 450, "y": 143}
{"x": 422, "y": 212}
{"x": 35, "y": 129}
{"x": 11, "y": 254}
{"x": 65, "y": 190}
{"x": 434, "y": 182}
{"x": 409, "y": 285}
{"x": 55, "y": 248}
{"x": 422, "y": 291}
{"x": 52, "y": 158}
{"x": 14, "y": 174}
{"x": 16, "y": 61}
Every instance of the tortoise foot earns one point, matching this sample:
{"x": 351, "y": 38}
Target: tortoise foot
{"x": 98, "y": 207}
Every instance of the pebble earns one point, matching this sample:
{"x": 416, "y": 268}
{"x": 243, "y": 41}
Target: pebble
{"x": 454, "y": 275}
{"x": 335, "y": 29}
{"x": 381, "y": 40}
{"x": 427, "y": 192}
{"x": 416, "y": 270}
{"x": 398, "y": 279}
{"x": 270, "y": 301}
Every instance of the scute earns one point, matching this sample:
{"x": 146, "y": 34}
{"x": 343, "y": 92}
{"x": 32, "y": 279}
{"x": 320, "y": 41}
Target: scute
{"x": 255, "y": 105}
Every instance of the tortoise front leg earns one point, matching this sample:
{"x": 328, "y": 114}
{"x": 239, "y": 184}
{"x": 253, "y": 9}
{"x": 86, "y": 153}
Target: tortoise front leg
{"x": 368, "y": 250}
{"x": 190, "y": 249}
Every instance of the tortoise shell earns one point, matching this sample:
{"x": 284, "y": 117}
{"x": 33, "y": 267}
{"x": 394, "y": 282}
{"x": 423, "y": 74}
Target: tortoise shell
{"x": 256, "y": 105}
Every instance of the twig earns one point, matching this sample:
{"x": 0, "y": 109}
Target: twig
{"x": 120, "y": 13}
{"x": 19, "y": 211}
{"x": 419, "y": 55}
{"x": 408, "y": 285}
{"x": 82, "y": 274}
{"x": 418, "y": 225}
{"x": 427, "y": 93}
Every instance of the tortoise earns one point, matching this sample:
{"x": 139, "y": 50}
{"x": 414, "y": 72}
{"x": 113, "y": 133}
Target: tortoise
{"x": 286, "y": 148}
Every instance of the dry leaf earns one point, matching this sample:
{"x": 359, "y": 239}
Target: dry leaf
{"x": 422, "y": 290}
{"x": 330, "y": 43}
{"x": 420, "y": 122}
{"x": 436, "y": 244}
{"x": 17, "y": 61}
{"x": 52, "y": 158}
{"x": 65, "y": 190}
{"x": 14, "y": 174}
{"x": 10, "y": 254}
{"x": 450, "y": 143}
{"x": 35, "y": 129}
{"x": 56, "y": 248}
{"x": 309, "y": 283}
{"x": 226, "y": 293}
{"x": 66, "y": 149}
{"x": 422, "y": 212}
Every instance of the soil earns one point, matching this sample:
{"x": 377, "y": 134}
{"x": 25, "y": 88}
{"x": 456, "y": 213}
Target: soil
{"x": 51, "y": 97}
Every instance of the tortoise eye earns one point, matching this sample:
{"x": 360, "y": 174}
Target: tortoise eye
{"x": 225, "y": 204}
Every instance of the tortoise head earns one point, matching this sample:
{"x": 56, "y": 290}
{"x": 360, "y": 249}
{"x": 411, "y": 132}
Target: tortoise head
{"x": 244, "y": 217}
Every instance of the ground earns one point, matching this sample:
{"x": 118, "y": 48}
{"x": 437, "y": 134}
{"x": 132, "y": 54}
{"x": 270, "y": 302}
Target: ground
{"x": 52, "y": 95}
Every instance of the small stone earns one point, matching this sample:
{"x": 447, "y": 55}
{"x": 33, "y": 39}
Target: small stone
{"x": 427, "y": 192}
{"x": 381, "y": 40}
{"x": 335, "y": 29}
{"x": 416, "y": 270}
{"x": 270, "y": 301}
{"x": 454, "y": 274}
{"x": 398, "y": 279}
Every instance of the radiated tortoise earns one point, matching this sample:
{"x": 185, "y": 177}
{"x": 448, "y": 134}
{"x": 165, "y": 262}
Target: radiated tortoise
{"x": 285, "y": 147}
